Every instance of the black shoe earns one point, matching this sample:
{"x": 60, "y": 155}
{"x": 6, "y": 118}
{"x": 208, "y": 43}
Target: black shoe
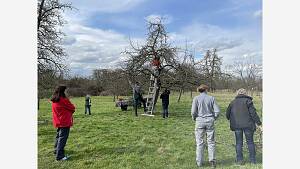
{"x": 213, "y": 164}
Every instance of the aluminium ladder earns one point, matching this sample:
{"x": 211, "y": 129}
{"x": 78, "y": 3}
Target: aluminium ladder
{"x": 151, "y": 97}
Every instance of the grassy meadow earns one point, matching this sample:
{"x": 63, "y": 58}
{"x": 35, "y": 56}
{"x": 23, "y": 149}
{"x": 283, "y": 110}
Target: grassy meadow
{"x": 113, "y": 139}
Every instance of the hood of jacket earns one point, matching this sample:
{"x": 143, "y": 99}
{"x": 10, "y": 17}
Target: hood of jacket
{"x": 243, "y": 96}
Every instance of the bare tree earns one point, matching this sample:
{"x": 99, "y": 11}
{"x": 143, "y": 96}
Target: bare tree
{"x": 247, "y": 71}
{"x": 211, "y": 67}
{"x": 153, "y": 58}
{"x": 186, "y": 74}
{"x": 50, "y": 51}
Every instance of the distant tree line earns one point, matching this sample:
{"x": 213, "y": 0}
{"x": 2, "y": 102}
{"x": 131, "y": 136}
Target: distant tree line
{"x": 114, "y": 82}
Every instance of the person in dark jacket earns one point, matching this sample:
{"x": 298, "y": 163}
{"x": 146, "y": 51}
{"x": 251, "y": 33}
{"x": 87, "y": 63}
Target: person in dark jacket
{"x": 88, "y": 104}
{"x": 138, "y": 97}
{"x": 62, "y": 115}
{"x": 165, "y": 102}
{"x": 243, "y": 119}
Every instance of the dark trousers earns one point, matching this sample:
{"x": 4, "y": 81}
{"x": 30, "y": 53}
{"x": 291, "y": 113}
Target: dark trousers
{"x": 239, "y": 144}
{"x": 165, "y": 110}
{"x": 124, "y": 107}
{"x": 136, "y": 101}
{"x": 87, "y": 109}
{"x": 62, "y": 134}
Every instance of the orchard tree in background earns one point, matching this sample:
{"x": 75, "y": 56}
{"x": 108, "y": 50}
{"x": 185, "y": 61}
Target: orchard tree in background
{"x": 112, "y": 81}
{"x": 211, "y": 67}
{"x": 186, "y": 75}
{"x": 248, "y": 72}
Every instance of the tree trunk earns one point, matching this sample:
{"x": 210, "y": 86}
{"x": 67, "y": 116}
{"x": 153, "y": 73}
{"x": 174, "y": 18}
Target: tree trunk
{"x": 191, "y": 93}
{"x": 40, "y": 14}
{"x": 211, "y": 84}
{"x": 38, "y": 103}
{"x": 179, "y": 96}
{"x": 114, "y": 99}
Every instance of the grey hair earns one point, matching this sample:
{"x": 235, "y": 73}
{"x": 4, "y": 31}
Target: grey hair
{"x": 241, "y": 91}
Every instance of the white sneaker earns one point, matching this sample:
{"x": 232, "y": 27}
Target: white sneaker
{"x": 64, "y": 158}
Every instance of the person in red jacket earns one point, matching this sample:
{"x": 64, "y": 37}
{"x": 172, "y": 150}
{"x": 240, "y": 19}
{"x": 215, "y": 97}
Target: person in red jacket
{"x": 62, "y": 113}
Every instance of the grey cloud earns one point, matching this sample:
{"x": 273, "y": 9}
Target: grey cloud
{"x": 90, "y": 59}
{"x": 94, "y": 48}
{"x": 69, "y": 40}
{"x": 219, "y": 43}
{"x": 107, "y": 6}
{"x": 229, "y": 43}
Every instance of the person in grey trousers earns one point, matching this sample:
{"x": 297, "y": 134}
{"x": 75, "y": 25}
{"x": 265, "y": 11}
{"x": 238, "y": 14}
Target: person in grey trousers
{"x": 205, "y": 111}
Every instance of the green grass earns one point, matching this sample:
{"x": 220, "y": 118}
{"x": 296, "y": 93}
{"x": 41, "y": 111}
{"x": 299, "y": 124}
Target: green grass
{"x": 113, "y": 139}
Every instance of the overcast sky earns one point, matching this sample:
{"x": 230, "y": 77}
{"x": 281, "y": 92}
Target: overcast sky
{"x": 99, "y": 30}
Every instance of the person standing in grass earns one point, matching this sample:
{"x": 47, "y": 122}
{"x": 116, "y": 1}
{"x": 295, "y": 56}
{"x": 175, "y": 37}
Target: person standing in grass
{"x": 243, "y": 117}
{"x": 165, "y": 102}
{"x": 62, "y": 114}
{"x": 88, "y": 104}
{"x": 205, "y": 111}
{"x": 138, "y": 97}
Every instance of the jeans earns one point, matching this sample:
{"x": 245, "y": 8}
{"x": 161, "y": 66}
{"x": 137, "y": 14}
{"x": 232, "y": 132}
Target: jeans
{"x": 87, "y": 109}
{"x": 239, "y": 144}
{"x": 62, "y": 135}
{"x": 165, "y": 111}
{"x": 205, "y": 126}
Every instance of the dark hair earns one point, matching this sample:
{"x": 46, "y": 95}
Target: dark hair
{"x": 59, "y": 92}
{"x": 201, "y": 90}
